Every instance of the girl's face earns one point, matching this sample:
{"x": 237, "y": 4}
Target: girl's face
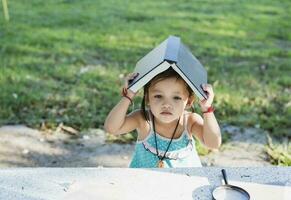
{"x": 168, "y": 99}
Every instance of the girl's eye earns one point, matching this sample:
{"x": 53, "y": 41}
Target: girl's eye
{"x": 177, "y": 98}
{"x": 158, "y": 96}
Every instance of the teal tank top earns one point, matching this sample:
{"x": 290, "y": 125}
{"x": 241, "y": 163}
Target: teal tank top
{"x": 182, "y": 151}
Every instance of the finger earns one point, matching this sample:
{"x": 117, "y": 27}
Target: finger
{"x": 129, "y": 78}
{"x": 203, "y": 101}
{"x": 136, "y": 74}
{"x": 132, "y": 76}
{"x": 209, "y": 90}
{"x": 207, "y": 87}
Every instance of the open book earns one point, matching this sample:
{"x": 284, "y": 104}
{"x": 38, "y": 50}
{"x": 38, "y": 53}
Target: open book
{"x": 171, "y": 53}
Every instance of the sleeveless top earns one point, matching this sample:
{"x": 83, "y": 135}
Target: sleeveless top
{"x": 182, "y": 151}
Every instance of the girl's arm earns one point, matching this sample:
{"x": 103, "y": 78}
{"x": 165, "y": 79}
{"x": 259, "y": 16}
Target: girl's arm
{"x": 211, "y": 131}
{"x": 207, "y": 129}
{"x": 117, "y": 122}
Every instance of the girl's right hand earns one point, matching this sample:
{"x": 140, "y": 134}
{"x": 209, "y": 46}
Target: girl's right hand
{"x": 130, "y": 77}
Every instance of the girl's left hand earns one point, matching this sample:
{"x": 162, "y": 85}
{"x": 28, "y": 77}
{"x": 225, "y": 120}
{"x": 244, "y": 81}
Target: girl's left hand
{"x": 206, "y": 103}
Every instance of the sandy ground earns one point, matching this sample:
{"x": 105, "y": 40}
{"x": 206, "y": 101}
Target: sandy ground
{"x": 21, "y": 146}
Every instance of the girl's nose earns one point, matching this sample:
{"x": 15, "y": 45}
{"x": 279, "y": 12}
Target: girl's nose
{"x": 166, "y": 104}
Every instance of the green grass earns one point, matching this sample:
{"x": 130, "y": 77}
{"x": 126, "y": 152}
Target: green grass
{"x": 47, "y": 47}
{"x": 279, "y": 154}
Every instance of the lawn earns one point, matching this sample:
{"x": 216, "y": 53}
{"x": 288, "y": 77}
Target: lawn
{"x": 62, "y": 61}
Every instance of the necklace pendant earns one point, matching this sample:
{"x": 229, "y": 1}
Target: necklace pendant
{"x": 161, "y": 164}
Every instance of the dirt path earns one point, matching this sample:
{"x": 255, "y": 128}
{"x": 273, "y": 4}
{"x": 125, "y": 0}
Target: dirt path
{"x": 21, "y": 146}
{"x": 244, "y": 148}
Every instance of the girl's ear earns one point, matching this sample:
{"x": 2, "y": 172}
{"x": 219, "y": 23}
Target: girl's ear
{"x": 190, "y": 101}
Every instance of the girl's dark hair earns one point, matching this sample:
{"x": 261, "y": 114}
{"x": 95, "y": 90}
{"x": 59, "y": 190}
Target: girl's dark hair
{"x": 169, "y": 73}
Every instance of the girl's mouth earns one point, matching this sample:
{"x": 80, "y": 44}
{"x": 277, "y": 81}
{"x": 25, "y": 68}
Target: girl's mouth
{"x": 166, "y": 113}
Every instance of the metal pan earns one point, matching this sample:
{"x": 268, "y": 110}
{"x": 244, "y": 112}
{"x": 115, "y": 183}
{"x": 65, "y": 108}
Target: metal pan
{"x": 229, "y": 192}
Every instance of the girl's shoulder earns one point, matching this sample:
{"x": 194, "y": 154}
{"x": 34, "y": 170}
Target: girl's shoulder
{"x": 143, "y": 124}
{"x": 138, "y": 115}
{"x": 193, "y": 119}
{"x": 192, "y": 116}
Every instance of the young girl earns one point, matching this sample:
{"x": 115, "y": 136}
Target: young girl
{"x": 163, "y": 124}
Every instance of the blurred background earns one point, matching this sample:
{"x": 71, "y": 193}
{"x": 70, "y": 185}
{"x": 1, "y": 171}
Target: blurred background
{"x": 62, "y": 64}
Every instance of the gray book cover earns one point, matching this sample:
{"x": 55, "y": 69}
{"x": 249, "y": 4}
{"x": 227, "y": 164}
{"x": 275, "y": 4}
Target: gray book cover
{"x": 171, "y": 53}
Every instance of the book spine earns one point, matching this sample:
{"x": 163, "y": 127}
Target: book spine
{"x": 172, "y": 49}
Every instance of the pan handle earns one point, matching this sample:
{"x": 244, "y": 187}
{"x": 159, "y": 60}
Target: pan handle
{"x": 224, "y": 176}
